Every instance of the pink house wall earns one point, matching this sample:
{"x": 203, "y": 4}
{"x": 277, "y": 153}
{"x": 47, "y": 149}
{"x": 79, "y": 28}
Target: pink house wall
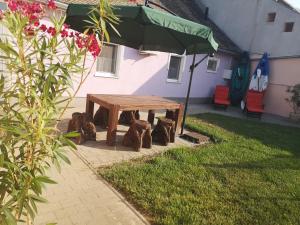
{"x": 283, "y": 73}
{"x": 147, "y": 75}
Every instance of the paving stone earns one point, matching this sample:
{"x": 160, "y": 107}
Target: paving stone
{"x": 85, "y": 201}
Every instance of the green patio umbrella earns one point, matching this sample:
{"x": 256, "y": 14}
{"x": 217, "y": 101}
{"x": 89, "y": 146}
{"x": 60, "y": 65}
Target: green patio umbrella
{"x": 142, "y": 27}
{"x": 145, "y": 28}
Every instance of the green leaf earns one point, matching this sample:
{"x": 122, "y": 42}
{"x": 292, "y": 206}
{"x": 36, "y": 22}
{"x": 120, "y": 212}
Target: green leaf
{"x": 1, "y": 83}
{"x": 72, "y": 134}
{"x": 1, "y": 160}
{"x": 33, "y": 205}
{"x": 69, "y": 143}
{"x": 29, "y": 210}
{"x": 9, "y": 218}
{"x": 5, "y": 47}
{"x": 56, "y": 164}
{"x": 45, "y": 179}
{"x": 38, "y": 198}
{"x": 63, "y": 157}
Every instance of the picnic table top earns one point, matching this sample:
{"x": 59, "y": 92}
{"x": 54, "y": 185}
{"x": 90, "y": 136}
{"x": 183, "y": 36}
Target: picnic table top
{"x": 133, "y": 102}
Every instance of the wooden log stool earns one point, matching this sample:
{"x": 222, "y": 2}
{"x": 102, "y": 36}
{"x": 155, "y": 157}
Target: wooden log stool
{"x": 138, "y": 135}
{"x": 164, "y": 131}
{"x": 170, "y": 114}
{"x": 82, "y": 124}
{"x": 128, "y": 117}
{"x": 88, "y": 127}
{"x": 151, "y": 117}
{"x": 101, "y": 117}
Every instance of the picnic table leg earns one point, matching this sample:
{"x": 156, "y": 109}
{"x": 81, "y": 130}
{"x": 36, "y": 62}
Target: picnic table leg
{"x": 112, "y": 125}
{"x": 89, "y": 107}
{"x": 178, "y": 118}
{"x": 151, "y": 116}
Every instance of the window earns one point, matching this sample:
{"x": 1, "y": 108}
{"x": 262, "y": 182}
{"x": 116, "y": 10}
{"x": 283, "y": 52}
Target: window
{"x": 288, "y": 27}
{"x": 3, "y": 5}
{"x": 271, "y": 17}
{"x": 176, "y": 66}
{"x": 107, "y": 61}
{"x": 212, "y": 64}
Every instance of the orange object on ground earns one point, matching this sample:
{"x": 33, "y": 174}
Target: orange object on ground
{"x": 222, "y": 95}
{"x": 254, "y": 102}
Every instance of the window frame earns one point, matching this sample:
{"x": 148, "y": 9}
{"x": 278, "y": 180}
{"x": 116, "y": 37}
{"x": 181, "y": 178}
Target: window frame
{"x": 217, "y": 67}
{"x": 271, "y": 18}
{"x": 119, "y": 54}
{"x": 181, "y": 67}
{"x": 4, "y": 4}
{"x": 290, "y": 25}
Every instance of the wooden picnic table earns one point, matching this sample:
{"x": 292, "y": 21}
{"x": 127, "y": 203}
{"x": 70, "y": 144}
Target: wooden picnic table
{"x": 116, "y": 103}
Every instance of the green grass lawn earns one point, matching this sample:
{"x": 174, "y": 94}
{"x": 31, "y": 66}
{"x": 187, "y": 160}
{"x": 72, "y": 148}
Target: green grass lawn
{"x": 250, "y": 175}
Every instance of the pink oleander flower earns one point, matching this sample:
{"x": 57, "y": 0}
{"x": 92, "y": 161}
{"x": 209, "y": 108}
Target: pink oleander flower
{"x": 90, "y": 42}
{"x": 12, "y": 5}
{"x": 34, "y": 12}
{"x": 36, "y": 8}
{"x": 51, "y": 4}
{"x": 66, "y": 26}
{"x": 51, "y": 31}
{"x": 31, "y": 10}
{"x": 64, "y": 33}
{"x": 93, "y": 45}
{"x": 79, "y": 41}
{"x": 29, "y": 30}
{"x": 36, "y": 23}
{"x": 33, "y": 18}
{"x": 43, "y": 28}
{"x": 1, "y": 14}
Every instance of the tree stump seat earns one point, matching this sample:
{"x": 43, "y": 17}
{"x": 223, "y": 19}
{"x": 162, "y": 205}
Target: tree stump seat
{"x": 164, "y": 131}
{"x": 171, "y": 114}
{"x": 83, "y": 124}
{"x": 139, "y": 135}
{"x": 128, "y": 117}
{"x": 101, "y": 117}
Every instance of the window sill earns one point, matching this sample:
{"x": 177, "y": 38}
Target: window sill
{"x": 211, "y": 71}
{"x": 106, "y": 75}
{"x": 173, "y": 81}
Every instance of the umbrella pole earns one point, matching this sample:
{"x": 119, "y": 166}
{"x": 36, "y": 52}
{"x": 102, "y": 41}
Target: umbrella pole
{"x": 192, "y": 68}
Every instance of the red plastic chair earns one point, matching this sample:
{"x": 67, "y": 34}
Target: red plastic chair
{"x": 221, "y": 96}
{"x": 254, "y": 102}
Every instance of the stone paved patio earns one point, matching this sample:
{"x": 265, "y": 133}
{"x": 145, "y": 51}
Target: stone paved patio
{"x": 82, "y": 198}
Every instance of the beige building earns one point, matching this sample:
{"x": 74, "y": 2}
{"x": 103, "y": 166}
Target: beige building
{"x": 259, "y": 26}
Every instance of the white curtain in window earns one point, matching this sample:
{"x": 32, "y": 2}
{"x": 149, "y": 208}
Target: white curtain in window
{"x": 107, "y": 59}
{"x": 174, "y": 68}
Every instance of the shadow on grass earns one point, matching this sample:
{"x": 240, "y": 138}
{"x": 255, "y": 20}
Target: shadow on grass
{"x": 275, "y": 136}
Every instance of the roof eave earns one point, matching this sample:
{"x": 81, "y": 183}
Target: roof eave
{"x": 289, "y": 6}
{"x": 230, "y": 52}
